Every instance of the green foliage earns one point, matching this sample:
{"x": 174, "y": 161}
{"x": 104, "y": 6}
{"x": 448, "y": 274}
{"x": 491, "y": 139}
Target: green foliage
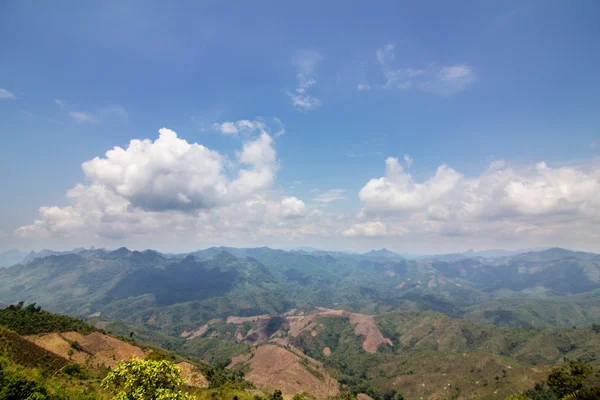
{"x": 146, "y": 380}
{"x": 32, "y": 320}
{"x": 569, "y": 381}
{"x": 213, "y": 350}
{"x": 540, "y": 392}
{"x": 568, "y": 378}
{"x": 596, "y": 328}
{"x": 219, "y": 376}
{"x": 15, "y": 386}
{"x": 17, "y": 382}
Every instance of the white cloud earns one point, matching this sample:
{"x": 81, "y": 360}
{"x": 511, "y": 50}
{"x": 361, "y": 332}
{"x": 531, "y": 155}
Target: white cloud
{"x": 398, "y": 192}
{"x": 228, "y": 128}
{"x": 5, "y": 94}
{"x": 82, "y": 117}
{"x": 170, "y": 173}
{"x": 366, "y": 229}
{"x": 444, "y": 80}
{"x": 168, "y": 185}
{"x": 408, "y": 160}
{"x": 363, "y": 87}
{"x": 304, "y": 102}
{"x": 292, "y": 207}
{"x": 331, "y": 196}
{"x": 300, "y": 98}
{"x": 504, "y": 197}
{"x": 59, "y": 102}
{"x": 248, "y": 128}
{"x": 169, "y": 189}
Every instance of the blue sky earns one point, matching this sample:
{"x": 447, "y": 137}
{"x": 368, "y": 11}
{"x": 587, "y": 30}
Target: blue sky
{"x": 487, "y": 91}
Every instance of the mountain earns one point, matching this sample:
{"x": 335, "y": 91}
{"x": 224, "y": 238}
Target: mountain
{"x": 11, "y": 257}
{"x": 374, "y": 354}
{"x": 367, "y": 323}
{"x": 383, "y": 253}
{"x": 217, "y": 282}
{"x": 58, "y": 357}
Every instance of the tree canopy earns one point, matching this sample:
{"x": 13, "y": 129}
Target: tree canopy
{"x": 146, "y": 380}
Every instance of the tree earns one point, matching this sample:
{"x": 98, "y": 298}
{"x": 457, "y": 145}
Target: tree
{"x": 568, "y": 378}
{"x": 540, "y": 392}
{"x": 146, "y": 380}
{"x": 277, "y": 395}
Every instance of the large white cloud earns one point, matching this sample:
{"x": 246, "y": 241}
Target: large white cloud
{"x": 156, "y": 183}
{"x": 168, "y": 190}
{"x": 502, "y": 200}
{"x": 172, "y": 174}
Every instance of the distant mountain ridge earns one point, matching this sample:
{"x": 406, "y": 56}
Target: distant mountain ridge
{"x": 248, "y": 281}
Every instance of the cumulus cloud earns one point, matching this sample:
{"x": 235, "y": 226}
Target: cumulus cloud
{"x": 292, "y": 207}
{"x": 503, "y": 200}
{"x": 398, "y": 192}
{"x": 366, "y": 229}
{"x": 169, "y": 188}
{"x": 171, "y": 174}
{"x": 149, "y": 180}
{"x": 330, "y": 196}
{"x": 5, "y": 94}
{"x": 443, "y": 80}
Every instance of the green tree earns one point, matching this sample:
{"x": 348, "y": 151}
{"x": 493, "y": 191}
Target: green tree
{"x": 146, "y": 380}
{"x": 15, "y": 386}
{"x": 569, "y": 378}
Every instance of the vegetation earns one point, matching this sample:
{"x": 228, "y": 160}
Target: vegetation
{"x": 572, "y": 380}
{"x": 32, "y": 320}
{"x": 146, "y": 380}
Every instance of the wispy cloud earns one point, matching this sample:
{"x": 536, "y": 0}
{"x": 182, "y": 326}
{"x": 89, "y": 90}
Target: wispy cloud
{"x": 306, "y": 63}
{"x": 116, "y": 110}
{"x": 105, "y": 112}
{"x": 363, "y": 87}
{"x": 82, "y": 117}
{"x": 5, "y": 94}
{"x": 442, "y": 80}
{"x": 408, "y": 160}
{"x": 330, "y": 196}
{"x": 247, "y": 127}
{"x": 450, "y": 80}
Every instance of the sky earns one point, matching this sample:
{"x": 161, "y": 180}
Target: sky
{"x": 422, "y": 127}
